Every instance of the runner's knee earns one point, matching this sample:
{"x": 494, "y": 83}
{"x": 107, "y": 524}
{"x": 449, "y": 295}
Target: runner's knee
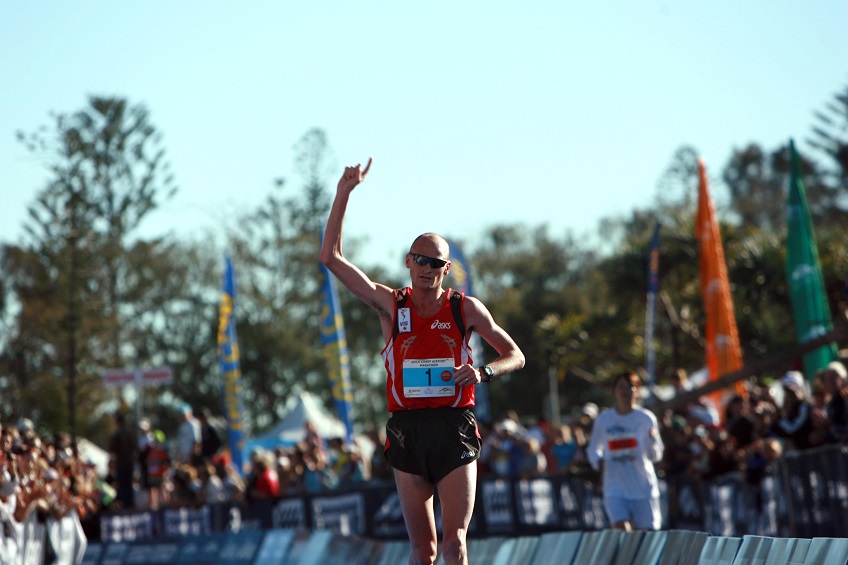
{"x": 453, "y": 546}
{"x": 423, "y": 554}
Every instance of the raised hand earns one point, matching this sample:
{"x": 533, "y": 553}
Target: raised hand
{"x": 352, "y": 176}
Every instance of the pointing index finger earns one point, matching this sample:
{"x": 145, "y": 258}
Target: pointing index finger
{"x": 367, "y": 166}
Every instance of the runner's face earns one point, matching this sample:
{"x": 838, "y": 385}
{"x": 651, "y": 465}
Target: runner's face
{"x": 626, "y": 390}
{"x": 427, "y": 275}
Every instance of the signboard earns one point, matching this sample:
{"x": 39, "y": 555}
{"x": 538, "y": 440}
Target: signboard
{"x": 138, "y": 377}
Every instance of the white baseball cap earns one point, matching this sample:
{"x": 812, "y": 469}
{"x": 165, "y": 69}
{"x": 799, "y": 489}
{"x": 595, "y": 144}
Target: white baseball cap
{"x": 793, "y": 380}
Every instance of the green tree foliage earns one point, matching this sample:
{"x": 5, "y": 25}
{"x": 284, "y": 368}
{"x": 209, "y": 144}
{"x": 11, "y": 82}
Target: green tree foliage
{"x": 80, "y": 291}
{"x": 601, "y": 332}
{"x": 830, "y": 136}
{"x": 175, "y": 324}
{"x": 275, "y": 251}
{"x": 73, "y": 278}
{"x": 758, "y": 181}
{"x": 524, "y": 275}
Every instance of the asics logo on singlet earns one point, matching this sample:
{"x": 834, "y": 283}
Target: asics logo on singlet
{"x": 466, "y": 455}
{"x": 437, "y": 325}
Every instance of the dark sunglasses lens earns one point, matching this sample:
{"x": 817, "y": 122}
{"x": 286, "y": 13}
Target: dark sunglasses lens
{"x": 423, "y": 260}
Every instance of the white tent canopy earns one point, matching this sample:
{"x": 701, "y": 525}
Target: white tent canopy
{"x": 291, "y": 429}
{"x": 97, "y": 455}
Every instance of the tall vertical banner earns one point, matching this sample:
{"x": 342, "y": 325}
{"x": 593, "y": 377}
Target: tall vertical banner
{"x": 803, "y": 273}
{"x": 334, "y": 346}
{"x": 228, "y": 364}
{"x": 461, "y": 275}
{"x": 723, "y": 351}
{"x": 653, "y": 289}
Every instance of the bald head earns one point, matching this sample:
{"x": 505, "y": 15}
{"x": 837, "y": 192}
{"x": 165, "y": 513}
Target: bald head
{"x": 432, "y": 245}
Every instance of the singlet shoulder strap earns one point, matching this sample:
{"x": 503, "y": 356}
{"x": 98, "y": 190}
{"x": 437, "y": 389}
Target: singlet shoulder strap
{"x": 402, "y": 296}
{"x": 456, "y": 309}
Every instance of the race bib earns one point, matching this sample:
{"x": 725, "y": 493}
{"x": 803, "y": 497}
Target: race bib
{"x": 427, "y": 378}
{"x": 404, "y": 321}
{"x": 623, "y": 447}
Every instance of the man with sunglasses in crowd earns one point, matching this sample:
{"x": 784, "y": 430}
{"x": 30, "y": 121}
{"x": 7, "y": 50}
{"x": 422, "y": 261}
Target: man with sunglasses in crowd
{"x": 432, "y": 436}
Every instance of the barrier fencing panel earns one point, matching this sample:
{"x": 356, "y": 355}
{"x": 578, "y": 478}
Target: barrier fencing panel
{"x": 802, "y": 495}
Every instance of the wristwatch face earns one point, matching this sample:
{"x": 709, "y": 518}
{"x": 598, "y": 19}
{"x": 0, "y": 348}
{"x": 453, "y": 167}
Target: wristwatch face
{"x": 489, "y": 373}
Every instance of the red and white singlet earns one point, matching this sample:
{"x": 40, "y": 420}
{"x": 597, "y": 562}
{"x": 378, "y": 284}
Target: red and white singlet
{"x": 422, "y": 355}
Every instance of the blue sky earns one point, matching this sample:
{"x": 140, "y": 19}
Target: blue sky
{"x": 556, "y": 113}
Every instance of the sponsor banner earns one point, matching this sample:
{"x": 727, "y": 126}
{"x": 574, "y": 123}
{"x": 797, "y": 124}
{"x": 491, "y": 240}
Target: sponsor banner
{"x": 289, "y": 513}
{"x": 343, "y": 514}
{"x": 127, "y": 526}
{"x": 234, "y": 517}
{"x": 254, "y": 514}
{"x": 570, "y": 507}
{"x": 594, "y": 515}
{"x": 179, "y": 522}
{"x": 536, "y": 502}
{"x": 386, "y": 518}
{"x": 498, "y": 506}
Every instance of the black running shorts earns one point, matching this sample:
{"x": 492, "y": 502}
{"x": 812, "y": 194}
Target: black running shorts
{"x": 432, "y": 442}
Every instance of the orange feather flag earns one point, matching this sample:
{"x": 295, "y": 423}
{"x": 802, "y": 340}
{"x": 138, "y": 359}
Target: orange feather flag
{"x": 724, "y": 354}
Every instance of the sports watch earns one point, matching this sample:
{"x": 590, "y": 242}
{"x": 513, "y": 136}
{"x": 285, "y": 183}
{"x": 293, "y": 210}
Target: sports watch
{"x": 488, "y": 374}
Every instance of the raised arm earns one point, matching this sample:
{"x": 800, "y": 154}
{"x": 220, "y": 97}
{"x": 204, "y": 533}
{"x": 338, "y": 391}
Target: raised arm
{"x": 376, "y": 295}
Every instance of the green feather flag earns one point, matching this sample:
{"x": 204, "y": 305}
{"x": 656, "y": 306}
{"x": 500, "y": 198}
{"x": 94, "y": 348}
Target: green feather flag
{"x": 803, "y": 272}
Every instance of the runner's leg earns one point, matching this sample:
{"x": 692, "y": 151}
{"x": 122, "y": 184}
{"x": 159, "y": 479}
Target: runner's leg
{"x": 456, "y": 495}
{"x": 416, "y": 502}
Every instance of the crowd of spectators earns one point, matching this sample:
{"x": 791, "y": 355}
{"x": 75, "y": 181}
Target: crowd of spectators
{"x": 48, "y": 477}
{"x": 195, "y": 467}
{"x": 753, "y": 432}
{"x": 757, "y": 430}
{"x": 45, "y": 477}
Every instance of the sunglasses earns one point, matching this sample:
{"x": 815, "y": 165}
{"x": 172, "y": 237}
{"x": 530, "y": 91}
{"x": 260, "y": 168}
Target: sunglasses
{"x": 423, "y": 260}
